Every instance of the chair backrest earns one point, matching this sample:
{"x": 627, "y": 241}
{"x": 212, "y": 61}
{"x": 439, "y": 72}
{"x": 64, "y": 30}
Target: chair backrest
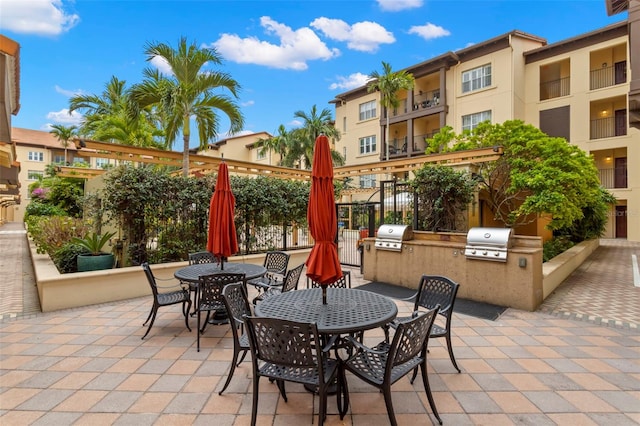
{"x": 343, "y": 282}
{"x": 151, "y": 279}
{"x": 276, "y": 262}
{"x": 210, "y": 287}
{"x": 237, "y": 303}
{"x": 411, "y": 337}
{"x": 202, "y": 257}
{"x": 292, "y": 278}
{"x": 436, "y": 290}
{"x": 284, "y": 342}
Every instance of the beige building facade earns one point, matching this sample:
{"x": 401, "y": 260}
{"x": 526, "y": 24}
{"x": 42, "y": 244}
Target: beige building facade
{"x": 577, "y": 89}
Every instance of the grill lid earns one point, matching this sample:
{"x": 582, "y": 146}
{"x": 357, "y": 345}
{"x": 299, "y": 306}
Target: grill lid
{"x": 488, "y": 243}
{"x": 390, "y": 237}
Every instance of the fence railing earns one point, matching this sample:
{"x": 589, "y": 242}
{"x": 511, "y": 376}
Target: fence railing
{"x": 554, "y": 88}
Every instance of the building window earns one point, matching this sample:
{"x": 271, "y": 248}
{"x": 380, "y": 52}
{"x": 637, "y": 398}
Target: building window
{"x": 35, "y": 174}
{"x": 476, "y": 78}
{"x": 471, "y": 121}
{"x": 367, "y": 145}
{"x": 367, "y": 181}
{"x": 36, "y": 156}
{"x": 368, "y": 110}
{"x": 344, "y": 124}
{"x": 58, "y": 159}
{"x": 261, "y": 153}
{"x": 102, "y": 163}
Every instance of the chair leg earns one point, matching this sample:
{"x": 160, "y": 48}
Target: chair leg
{"x": 244, "y": 354}
{"x": 153, "y": 318}
{"x": 254, "y": 405}
{"x": 233, "y": 368}
{"x": 283, "y": 392}
{"x": 387, "y": 400}
{"x": 427, "y": 389}
{"x": 206, "y": 321}
{"x": 343, "y": 393}
{"x": 450, "y": 349}
{"x": 186, "y": 314}
{"x": 153, "y": 308}
{"x": 198, "y": 332}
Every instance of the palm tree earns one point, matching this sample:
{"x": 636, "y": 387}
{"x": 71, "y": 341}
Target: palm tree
{"x": 64, "y": 134}
{"x": 277, "y": 143}
{"x": 188, "y": 93}
{"x": 107, "y": 117}
{"x": 389, "y": 84}
{"x": 303, "y": 139}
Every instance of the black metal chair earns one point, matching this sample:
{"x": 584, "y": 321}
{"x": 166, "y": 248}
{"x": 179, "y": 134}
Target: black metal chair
{"x": 237, "y": 304}
{"x": 195, "y": 259}
{"x": 343, "y": 282}
{"x": 276, "y": 263}
{"x": 386, "y": 363}
{"x": 290, "y": 283}
{"x": 210, "y": 299}
{"x": 288, "y": 351}
{"x": 436, "y": 290}
{"x": 166, "y": 298}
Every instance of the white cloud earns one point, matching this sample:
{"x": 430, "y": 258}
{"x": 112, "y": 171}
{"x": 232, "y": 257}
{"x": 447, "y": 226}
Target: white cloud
{"x": 294, "y": 49}
{"x": 429, "y": 31}
{"x": 248, "y": 103}
{"x": 68, "y": 93}
{"x": 162, "y": 65}
{"x": 362, "y": 36}
{"x": 42, "y": 17}
{"x": 396, "y": 5}
{"x": 350, "y": 82}
{"x": 63, "y": 117}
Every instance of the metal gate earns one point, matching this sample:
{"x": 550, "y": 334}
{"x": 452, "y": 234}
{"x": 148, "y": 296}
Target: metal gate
{"x": 397, "y": 204}
{"x": 355, "y": 222}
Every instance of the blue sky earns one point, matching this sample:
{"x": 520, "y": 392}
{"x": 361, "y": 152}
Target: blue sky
{"x": 286, "y": 55}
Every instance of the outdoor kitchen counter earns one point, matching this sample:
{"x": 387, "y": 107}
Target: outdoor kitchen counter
{"x": 516, "y": 283}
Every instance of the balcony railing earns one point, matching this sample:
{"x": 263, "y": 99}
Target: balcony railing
{"x": 554, "y": 88}
{"x": 608, "y": 127}
{"x": 426, "y": 100}
{"x": 613, "y": 178}
{"x": 608, "y": 76}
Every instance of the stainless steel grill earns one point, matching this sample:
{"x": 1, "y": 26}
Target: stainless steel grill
{"x": 488, "y": 244}
{"x": 390, "y": 237}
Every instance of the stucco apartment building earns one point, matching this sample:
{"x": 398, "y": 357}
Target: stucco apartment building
{"x": 579, "y": 88}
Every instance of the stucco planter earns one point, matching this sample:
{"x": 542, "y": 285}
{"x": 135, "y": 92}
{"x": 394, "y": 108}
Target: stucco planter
{"x": 89, "y": 262}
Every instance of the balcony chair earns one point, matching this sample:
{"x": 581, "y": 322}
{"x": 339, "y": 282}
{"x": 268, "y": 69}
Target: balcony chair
{"x": 386, "y": 363}
{"x": 210, "y": 299}
{"x": 276, "y": 263}
{"x": 435, "y": 290}
{"x": 290, "y": 283}
{"x": 179, "y": 294}
{"x": 291, "y": 351}
{"x": 237, "y": 305}
{"x": 343, "y": 282}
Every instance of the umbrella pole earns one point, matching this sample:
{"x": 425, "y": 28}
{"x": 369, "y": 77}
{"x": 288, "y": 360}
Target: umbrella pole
{"x": 324, "y": 294}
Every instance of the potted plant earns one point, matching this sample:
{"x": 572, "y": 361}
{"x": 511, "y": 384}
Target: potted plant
{"x": 95, "y": 259}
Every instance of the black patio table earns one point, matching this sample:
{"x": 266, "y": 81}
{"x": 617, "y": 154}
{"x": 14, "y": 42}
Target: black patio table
{"x": 192, "y": 274}
{"x": 347, "y": 310}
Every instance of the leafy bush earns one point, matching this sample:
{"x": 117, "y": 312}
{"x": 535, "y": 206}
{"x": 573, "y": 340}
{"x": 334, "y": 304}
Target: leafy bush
{"x": 65, "y": 258}
{"x": 554, "y": 247}
{"x": 51, "y": 233}
{"x": 38, "y": 208}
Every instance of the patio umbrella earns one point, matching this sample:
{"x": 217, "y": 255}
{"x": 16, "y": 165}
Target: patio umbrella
{"x": 222, "y": 240}
{"x": 323, "y": 264}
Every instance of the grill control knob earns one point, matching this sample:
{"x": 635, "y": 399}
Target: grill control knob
{"x": 484, "y": 253}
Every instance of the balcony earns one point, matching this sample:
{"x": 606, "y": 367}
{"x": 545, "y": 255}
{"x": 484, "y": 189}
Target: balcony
{"x": 608, "y": 76}
{"x": 554, "y": 88}
{"x": 609, "y": 127}
{"x": 613, "y": 178}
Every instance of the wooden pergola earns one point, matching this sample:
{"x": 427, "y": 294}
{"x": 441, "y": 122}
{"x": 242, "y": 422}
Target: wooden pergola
{"x": 200, "y": 165}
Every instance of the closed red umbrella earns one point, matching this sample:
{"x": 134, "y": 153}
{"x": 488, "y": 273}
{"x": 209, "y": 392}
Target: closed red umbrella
{"x": 323, "y": 264}
{"x": 222, "y": 240}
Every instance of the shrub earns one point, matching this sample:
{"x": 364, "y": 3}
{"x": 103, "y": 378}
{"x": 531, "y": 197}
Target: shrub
{"x": 51, "y": 233}
{"x": 65, "y": 258}
{"x": 554, "y": 247}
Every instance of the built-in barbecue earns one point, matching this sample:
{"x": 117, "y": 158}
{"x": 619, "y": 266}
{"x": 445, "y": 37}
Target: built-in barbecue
{"x": 488, "y": 243}
{"x": 390, "y": 237}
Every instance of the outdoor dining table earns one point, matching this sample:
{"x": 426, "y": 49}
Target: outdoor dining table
{"x": 347, "y": 310}
{"x": 192, "y": 273}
